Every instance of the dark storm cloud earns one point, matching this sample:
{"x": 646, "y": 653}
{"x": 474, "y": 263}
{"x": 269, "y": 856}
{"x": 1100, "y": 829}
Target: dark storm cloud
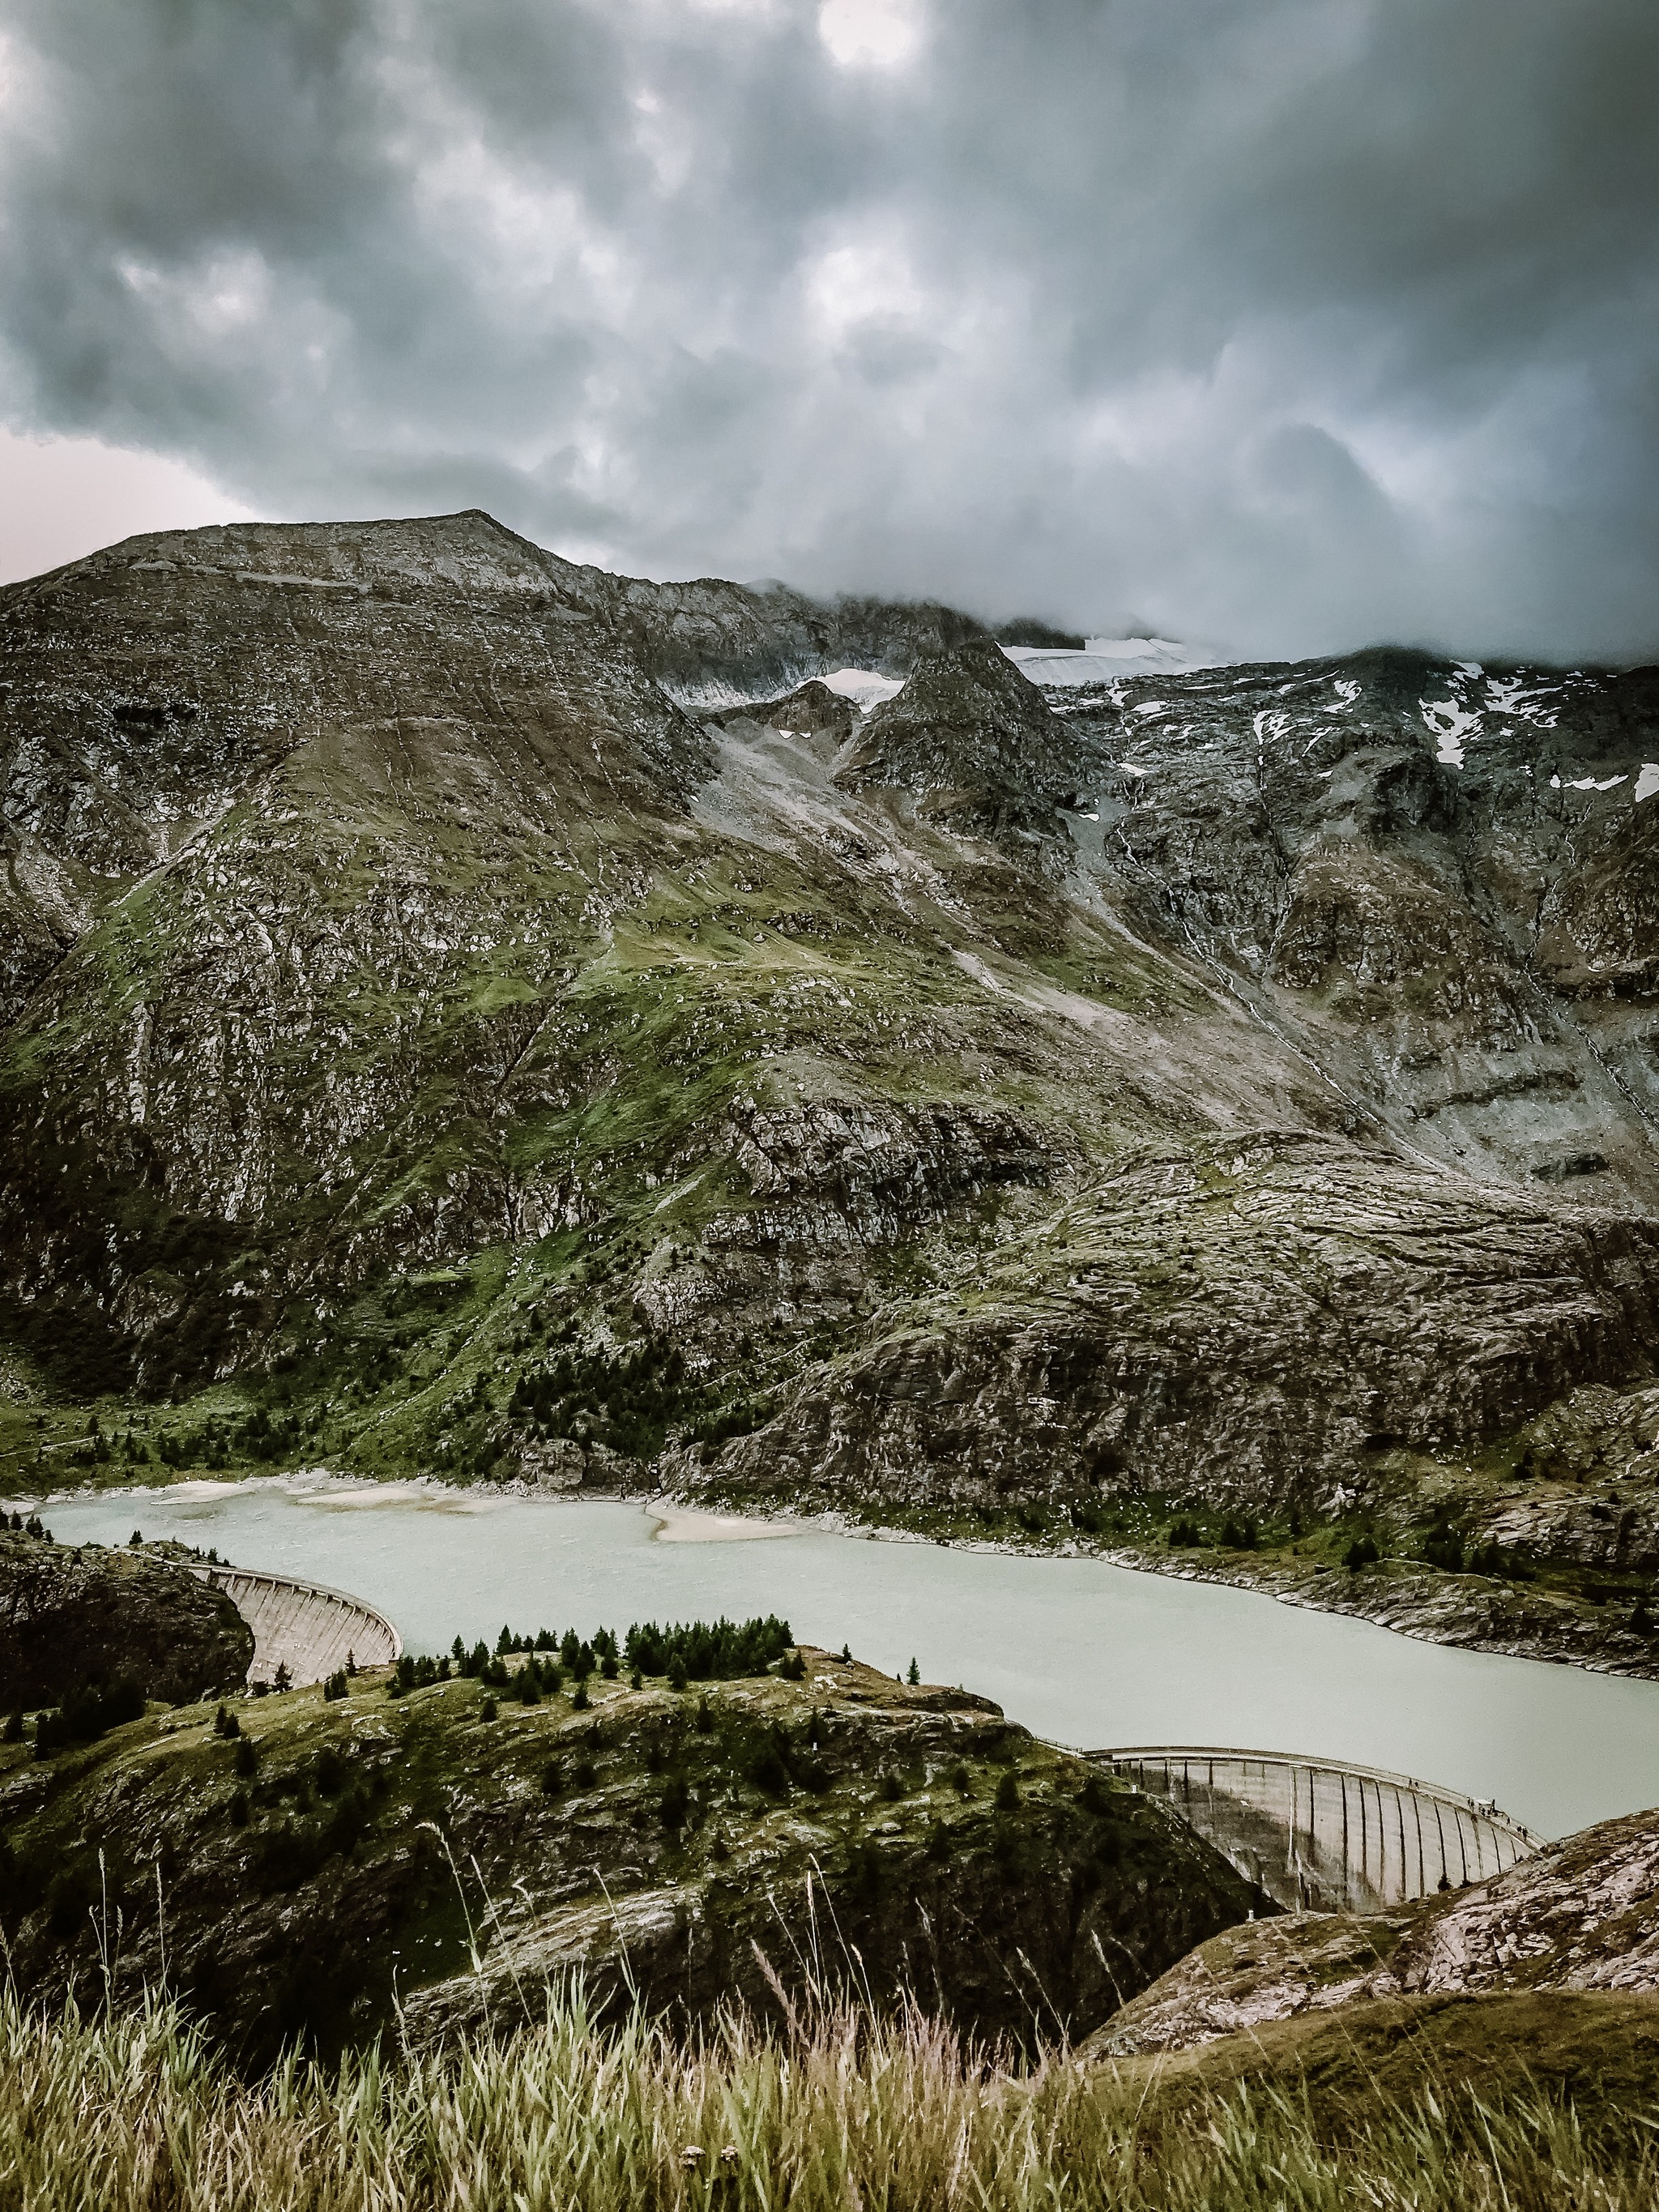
{"x": 1289, "y": 324}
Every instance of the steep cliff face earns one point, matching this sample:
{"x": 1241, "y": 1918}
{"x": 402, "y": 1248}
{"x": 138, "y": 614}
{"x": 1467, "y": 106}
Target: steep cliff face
{"x": 444, "y": 980}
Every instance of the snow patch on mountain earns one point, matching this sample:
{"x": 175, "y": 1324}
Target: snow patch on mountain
{"x": 1512, "y": 695}
{"x": 863, "y": 686}
{"x": 1449, "y": 724}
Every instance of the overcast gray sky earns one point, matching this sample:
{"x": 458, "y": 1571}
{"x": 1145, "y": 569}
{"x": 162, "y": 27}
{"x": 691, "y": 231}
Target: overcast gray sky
{"x": 1280, "y": 326}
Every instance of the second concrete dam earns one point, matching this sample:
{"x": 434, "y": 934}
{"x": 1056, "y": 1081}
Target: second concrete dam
{"x": 1320, "y": 1835}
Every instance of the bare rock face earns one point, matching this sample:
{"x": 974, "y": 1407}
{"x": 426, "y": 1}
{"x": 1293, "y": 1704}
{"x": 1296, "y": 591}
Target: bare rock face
{"x": 882, "y": 1170}
{"x": 559, "y": 1463}
{"x": 1271, "y": 1970}
{"x": 812, "y": 707}
{"x": 1253, "y": 1326}
{"x": 1582, "y": 1914}
{"x": 978, "y": 747}
{"x": 72, "y": 1617}
{"x": 1427, "y": 873}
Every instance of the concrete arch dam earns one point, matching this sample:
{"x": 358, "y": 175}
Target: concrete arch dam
{"x": 1321, "y": 1837}
{"x": 304, "y": 1626}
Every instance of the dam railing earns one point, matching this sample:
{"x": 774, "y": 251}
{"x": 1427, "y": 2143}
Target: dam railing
{"x": 1320, "y": 1835}
{"x": 306, "y": 1627}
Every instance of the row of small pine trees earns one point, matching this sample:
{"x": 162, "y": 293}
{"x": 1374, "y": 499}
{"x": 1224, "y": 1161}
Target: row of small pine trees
{"x": 684, "y": 1652}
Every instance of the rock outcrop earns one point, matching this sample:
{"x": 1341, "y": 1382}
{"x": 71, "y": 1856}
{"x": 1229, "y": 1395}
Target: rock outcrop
{"x": 1252, "y": 1323}
{"x": 70, "y": 1617}
{"x": 976, "y": 746}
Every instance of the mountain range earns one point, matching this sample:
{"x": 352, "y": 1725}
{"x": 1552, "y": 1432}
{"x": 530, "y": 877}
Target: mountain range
{"x": 470, "y": 1012}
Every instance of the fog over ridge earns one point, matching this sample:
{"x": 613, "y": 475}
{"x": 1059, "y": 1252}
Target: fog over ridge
{"x": 1286, "y": 326}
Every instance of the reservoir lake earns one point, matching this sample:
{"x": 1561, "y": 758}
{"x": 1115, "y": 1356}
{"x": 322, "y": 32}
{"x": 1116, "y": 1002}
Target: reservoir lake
{"x": 1081, "y": 1652}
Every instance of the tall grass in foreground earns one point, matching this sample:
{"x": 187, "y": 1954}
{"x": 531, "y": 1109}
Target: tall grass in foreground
{"x": 861, "y": 2116}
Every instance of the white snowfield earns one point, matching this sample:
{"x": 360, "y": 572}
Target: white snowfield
{"x": 1450, "y": 724}
{"x": 863, "y": 686}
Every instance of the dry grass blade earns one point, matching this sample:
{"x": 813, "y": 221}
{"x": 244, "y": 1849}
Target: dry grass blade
{"x": 849, "y": 2113}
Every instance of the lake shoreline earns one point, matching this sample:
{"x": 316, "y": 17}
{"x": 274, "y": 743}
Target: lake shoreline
{"x": 1461, "y": 1612}
{"x": 1465, "y": 1612}
{"x": 1083, "y": 1648}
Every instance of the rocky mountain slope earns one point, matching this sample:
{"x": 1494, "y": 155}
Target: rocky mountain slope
{"x": 473, "y": 1013}
{"x": 70, "y": 1618}
{"x": 450, "y": 1850}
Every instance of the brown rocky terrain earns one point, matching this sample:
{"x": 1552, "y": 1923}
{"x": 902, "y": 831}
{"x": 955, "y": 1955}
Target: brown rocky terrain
{"x": 476, "y": 1013}
{"x": 746, "y": 1839}
{"x": 1282, "y": 1313}
{"x": 70, "y": 1616}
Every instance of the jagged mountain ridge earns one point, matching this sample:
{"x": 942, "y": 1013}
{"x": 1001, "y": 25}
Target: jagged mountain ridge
{"x": 392, "y": 901}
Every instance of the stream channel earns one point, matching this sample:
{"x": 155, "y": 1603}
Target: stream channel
{"x": 1081, "y": 1652}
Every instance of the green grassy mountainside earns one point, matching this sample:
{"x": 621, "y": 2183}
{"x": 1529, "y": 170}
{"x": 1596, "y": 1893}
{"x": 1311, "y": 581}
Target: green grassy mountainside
{"x": 425, "y": 1862}
{"x": 473, "y": 1013}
